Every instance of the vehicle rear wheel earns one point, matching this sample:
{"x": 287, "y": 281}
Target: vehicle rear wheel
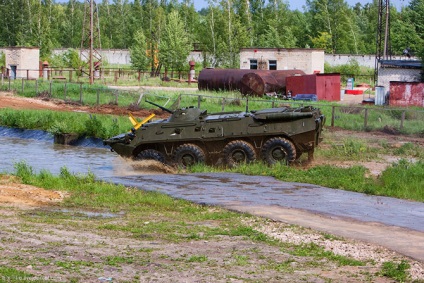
{"x": 188, "y": 154}
{"x": 151, "y": 154}
{"x": 277, "y": 150}
{"x": 237, "y": 152}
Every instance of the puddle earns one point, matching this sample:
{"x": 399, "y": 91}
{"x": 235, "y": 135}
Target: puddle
{"x": 89, "y": 214}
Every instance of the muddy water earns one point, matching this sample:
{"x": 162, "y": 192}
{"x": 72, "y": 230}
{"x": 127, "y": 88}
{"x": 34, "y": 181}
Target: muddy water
{"x": 216, "y": 189}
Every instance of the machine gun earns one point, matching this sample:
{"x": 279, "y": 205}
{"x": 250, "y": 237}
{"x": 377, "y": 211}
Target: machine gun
{"x": 161, "y": 107}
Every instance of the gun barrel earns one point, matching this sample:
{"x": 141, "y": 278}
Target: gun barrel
{"x": 161, "y": 107}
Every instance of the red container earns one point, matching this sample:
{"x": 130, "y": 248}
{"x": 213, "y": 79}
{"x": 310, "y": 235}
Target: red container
{"x": 325, "y": 86}
{"x": 354, "y": 91}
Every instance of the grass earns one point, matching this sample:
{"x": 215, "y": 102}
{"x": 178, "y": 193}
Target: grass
{"x": 396, "y": 271}
{"x": 90, "y": 125}
{"x": 12, "y": 275}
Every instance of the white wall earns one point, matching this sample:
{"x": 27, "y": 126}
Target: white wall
{"x": 363, "y": 60}
{"x": 307, "y": 60}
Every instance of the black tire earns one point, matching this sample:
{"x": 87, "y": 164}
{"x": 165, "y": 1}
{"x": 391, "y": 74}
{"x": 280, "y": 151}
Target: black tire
{"x": 277, "y": 150}
{"x": 237, "y": 152}
{"x": 188, "y": 154}
{"x": 151, "y": 154}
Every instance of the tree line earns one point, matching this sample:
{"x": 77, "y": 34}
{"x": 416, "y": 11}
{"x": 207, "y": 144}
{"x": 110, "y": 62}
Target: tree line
{"x": 167, "y": 30}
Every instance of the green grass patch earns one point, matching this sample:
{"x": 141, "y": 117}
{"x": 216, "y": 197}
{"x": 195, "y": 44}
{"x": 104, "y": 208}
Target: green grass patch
{"x": 403, "y": 179}
{"x": 12, "y": 275}
{"x": 397, "y": 271}
{"x": 319, "y": 253}
{"x": 90, "y": 125}
{"x": 198, "y": 258}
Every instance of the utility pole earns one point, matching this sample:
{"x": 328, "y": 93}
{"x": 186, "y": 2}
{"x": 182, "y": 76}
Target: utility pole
{"x": 383, "y": 46}
{"x": 90, "y": 40}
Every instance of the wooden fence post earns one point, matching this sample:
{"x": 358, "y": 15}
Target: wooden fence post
{"x": 64, "y": 91}
{"x": 98, "y": 97}
{"x": 333, "y": 111}
{"x": 402, "y": 120}
{"x": 199, "y": 99}
{"x": 36, "y": 86}
{"x": 223, "y": 104}
{"x": 22, "y": 85}
{"x": 50, "y": 89}
{"x": 80, "y": 93}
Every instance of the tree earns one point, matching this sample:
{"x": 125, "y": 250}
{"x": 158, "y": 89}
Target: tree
{"x": 332, "y": 17}
{"x": 138, "y": 51}
{"x": 174, "y": 46}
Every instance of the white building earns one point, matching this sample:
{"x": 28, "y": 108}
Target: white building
{"x": 308, "y": 60}
{"x": 22, "y": 62}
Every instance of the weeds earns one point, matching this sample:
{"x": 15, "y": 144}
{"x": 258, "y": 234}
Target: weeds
{"x": 83, "y": 124}
{"x": 396, "y": 271}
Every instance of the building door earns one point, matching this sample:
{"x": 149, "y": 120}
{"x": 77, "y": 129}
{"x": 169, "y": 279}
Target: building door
{"x": 13, "y": 71}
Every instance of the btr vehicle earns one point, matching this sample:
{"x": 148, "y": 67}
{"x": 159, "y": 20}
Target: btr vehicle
{"x": 191, "y": 135}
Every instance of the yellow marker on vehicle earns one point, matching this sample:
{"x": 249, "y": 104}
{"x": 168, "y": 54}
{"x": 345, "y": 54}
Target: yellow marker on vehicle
{"x": 136, "y": 124}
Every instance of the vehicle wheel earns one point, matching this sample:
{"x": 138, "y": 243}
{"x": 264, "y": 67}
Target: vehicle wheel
{"x": 237, "y": 152}
{"x": 188, "y": 154}
{"x": 151, "y": 154}
{"x": 278, "y": 150}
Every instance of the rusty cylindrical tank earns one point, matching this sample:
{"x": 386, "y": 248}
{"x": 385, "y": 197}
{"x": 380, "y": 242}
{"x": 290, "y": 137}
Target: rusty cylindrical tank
{"x": 220, "y": 79}
{"x": 248, "y": 82}
{"x": 258, "y": 84}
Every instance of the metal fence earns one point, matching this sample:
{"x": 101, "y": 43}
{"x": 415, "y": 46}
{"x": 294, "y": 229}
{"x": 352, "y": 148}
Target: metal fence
{"x": 352, "y": 117}
{"x": 103, "y": 75}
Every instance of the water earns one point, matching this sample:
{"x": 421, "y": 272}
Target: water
{"x": 38, "y": 151}
{"x": 222, "y": 189}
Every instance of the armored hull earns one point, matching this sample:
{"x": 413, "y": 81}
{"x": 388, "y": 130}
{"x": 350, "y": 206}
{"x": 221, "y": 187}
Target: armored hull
{"x": 191, "y": 135}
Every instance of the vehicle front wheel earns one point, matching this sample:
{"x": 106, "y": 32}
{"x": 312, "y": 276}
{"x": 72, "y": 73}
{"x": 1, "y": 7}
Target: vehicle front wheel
{"x": 151, "y": 154}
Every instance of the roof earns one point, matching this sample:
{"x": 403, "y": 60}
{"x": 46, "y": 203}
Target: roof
{"x": 279, "y": 49}
{"x": 405, "y": 64}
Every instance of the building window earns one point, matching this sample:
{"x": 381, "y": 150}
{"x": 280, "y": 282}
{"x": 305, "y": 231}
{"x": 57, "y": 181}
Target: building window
{"x": 253, "y": 64}
{"x": 272, "y": 64}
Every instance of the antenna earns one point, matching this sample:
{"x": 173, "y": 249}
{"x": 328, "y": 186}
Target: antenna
{"x": 383, "y": 51}
{"x": 90, "y": 40}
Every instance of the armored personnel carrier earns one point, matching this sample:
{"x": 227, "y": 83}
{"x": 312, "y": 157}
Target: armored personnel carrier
{"x": 191, "y": 135}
